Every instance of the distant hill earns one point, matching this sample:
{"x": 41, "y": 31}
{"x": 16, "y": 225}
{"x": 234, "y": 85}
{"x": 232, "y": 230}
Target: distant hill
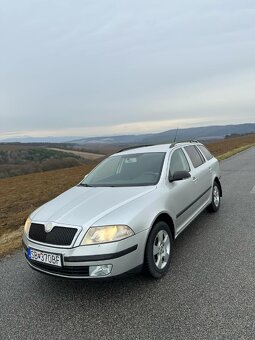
{"x": 201, "y": 133}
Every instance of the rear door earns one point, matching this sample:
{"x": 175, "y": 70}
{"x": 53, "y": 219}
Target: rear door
{"x": 201, "y": 175}
{"x": 182, "y": 193}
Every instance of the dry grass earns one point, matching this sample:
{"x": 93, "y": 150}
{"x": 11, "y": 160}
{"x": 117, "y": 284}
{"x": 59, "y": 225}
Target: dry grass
{"x": 229, "y": 145}
{"x": 10, "y": 241}
{"x": 20, "y": 195}
{"x": 235, "y": 151}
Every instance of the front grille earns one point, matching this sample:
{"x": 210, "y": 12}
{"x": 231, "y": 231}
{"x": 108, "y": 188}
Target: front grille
{"x": 60, "y": 236}
{"x": 65, "y": 270}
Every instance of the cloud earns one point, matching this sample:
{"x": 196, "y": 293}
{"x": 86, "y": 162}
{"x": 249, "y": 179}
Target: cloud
{"x": 86, "y": 66}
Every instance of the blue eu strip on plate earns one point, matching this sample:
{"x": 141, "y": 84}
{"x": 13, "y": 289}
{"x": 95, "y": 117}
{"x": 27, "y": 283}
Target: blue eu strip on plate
{"x": 29, "y": 253}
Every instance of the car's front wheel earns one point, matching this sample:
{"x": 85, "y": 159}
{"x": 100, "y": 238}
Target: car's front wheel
{"x": 158, "y": 250}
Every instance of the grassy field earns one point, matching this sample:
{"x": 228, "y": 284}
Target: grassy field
{"x": 20, "y": 195}
{"x": 16, "y": 160}
{"x": 228, "y": 147}
{"x": 81, "y": 154}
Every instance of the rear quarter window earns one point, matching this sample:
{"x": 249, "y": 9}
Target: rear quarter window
{"x": 194, "y": 155}
{"x": 205, "y": 152}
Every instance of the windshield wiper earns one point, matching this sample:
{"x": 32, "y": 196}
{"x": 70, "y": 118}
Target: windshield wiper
{"x": 84, "y": 185}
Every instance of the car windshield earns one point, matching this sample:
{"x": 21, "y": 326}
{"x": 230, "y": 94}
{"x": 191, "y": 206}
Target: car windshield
{"x": 138, "y": 169}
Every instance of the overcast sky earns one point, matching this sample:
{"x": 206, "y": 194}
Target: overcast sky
{"x": 112, "y": 67}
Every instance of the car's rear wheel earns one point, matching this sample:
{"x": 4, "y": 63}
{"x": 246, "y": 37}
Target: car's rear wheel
{"x": 158, "y": 250}
{"x": 215, "y": 204}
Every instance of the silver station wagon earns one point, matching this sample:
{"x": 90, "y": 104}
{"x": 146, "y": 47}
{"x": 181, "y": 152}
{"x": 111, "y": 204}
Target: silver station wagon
{"x": 125, "y": 214}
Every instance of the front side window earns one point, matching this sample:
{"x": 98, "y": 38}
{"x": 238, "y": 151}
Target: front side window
{"x": 127, "y": 170}
{"x": 178, "y": 162}
{"x": 194, "y": 156}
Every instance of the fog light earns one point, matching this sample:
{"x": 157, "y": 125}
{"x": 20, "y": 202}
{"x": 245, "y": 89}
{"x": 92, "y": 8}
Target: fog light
{"x": 103, "y": 270}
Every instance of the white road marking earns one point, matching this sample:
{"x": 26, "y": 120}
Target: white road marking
{"x": 253, "y": 190}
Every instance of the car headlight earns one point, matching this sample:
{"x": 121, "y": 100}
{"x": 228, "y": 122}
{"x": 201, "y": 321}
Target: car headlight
{"x": 108, "y": 233}
{"x": 27, "y": 226}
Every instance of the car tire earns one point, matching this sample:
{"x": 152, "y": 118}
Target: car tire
{"x": 215, "y": 204}
{"x": 158, "y": 250}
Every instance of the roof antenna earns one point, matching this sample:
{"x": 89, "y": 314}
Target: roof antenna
{"x": 176, "y": 135}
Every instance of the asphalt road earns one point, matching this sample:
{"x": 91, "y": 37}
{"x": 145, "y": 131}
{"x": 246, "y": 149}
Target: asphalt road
{"x": 209, "y": 292}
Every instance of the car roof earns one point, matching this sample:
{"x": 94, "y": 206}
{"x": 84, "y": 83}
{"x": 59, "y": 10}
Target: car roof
{"x": 155, "y": 148}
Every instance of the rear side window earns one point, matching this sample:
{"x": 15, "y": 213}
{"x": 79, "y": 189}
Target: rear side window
{"x": 205, "y": 152}
{"x": 194, "y": 155}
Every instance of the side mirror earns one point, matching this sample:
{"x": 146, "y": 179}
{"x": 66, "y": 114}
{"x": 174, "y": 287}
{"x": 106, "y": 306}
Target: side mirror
{"x": 179, "y": 176}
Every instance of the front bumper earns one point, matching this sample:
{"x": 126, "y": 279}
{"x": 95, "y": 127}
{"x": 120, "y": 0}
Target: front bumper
{"x": 124, "y": 256}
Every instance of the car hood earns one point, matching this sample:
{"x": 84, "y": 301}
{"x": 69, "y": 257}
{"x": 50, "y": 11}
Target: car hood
{"x": 83, "y": 206}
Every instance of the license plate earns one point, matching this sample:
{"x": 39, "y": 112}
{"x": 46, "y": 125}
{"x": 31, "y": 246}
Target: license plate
{"x": 43, "y": 257}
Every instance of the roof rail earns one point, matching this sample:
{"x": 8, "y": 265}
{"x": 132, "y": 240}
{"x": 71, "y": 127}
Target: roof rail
{"x": 134, "y": 147}
{"x": 189, "y": 141}
{"x": 172, "y": 145}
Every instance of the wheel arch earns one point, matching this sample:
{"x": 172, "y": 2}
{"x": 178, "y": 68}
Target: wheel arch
{"x": 164, "y": 216}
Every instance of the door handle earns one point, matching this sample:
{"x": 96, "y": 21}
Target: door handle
{"x": 194, "y": 179}
{"x": 210, "y": 169}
